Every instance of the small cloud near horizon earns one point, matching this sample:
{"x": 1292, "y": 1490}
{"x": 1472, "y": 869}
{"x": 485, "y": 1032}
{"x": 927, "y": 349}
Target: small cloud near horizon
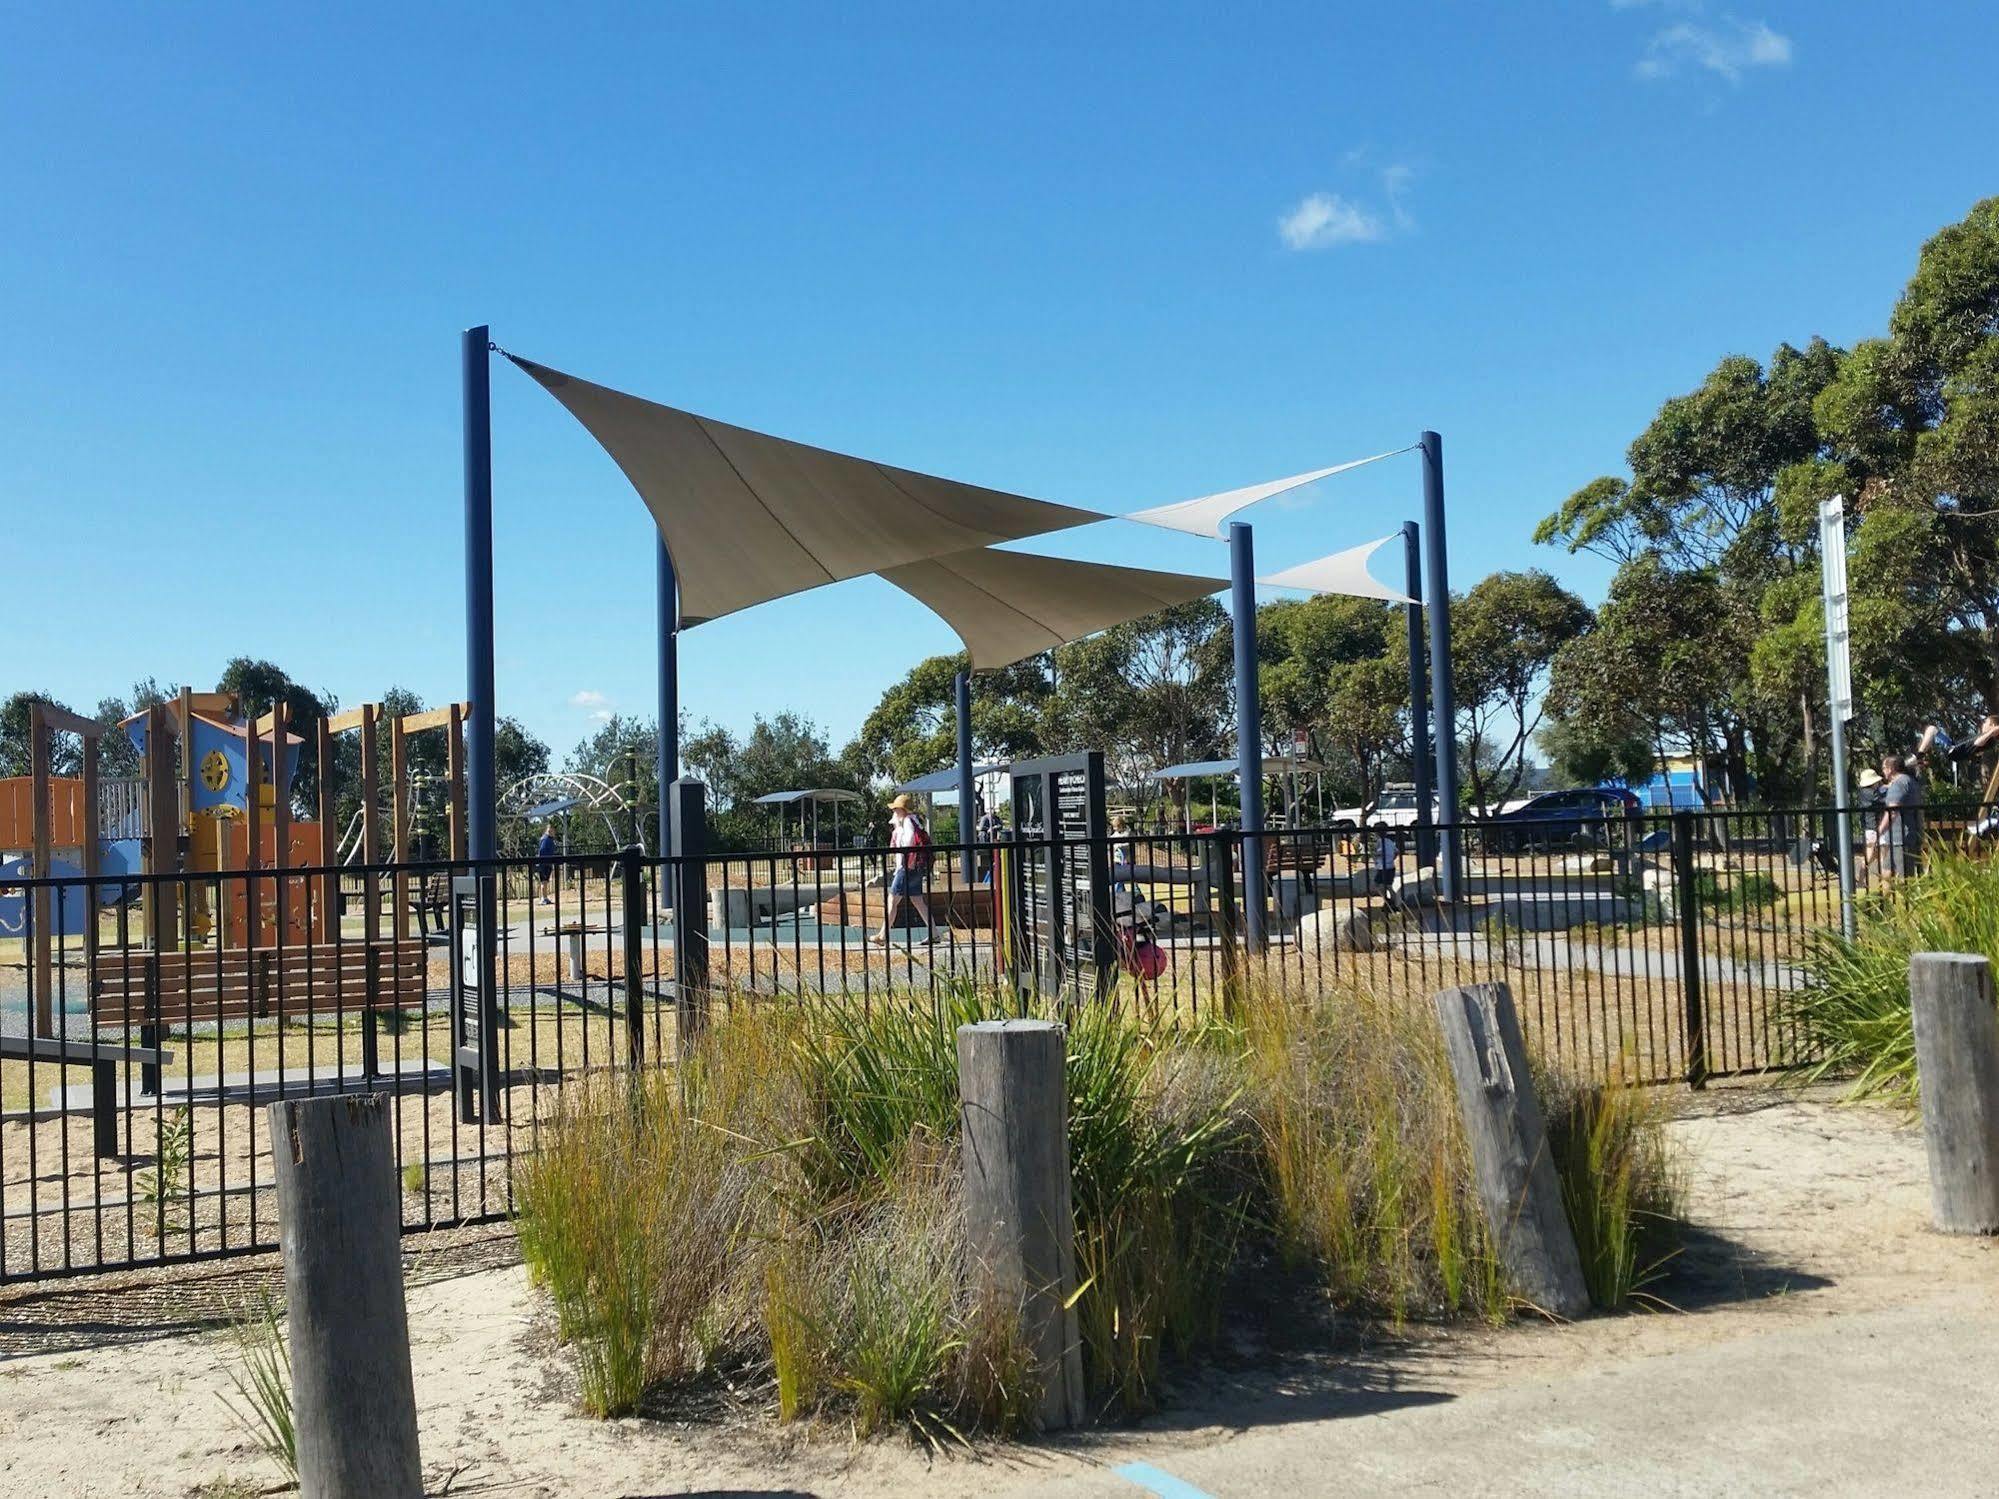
{"x": 589, "y": 697}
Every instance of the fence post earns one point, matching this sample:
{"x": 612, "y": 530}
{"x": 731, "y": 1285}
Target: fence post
{"x": 1957, "y": 1068}
{"x": 1219, "y": 873}
{"x": 1509, "y": 1147}
{"x": 1019, "y": 1220}
{"x": 688, "y": 873}
{"x": 1687, "y": 908}
{"x": 631, "y": 871}
{"x": 353, "y": 1398}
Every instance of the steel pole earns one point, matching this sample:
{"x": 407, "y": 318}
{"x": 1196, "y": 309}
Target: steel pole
{"x": 967, "y": 792}
{"x": 1419, "y": 693}
{"x": 1248, "y": 728}
{"x": 666, "y": 770}
{"x": 1443, "y": 698}
{"x": 481, "y": 794}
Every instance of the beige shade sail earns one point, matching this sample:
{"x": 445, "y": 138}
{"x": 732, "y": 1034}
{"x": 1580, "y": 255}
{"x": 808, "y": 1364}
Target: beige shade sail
{"x": 1007, "y": 606}
{"x": 748, "y": 517}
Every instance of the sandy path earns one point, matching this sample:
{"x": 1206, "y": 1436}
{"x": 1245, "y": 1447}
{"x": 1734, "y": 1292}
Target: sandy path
{"x": 1832, "y": 1344}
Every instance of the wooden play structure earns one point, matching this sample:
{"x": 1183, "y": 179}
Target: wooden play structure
{"x": 228, "y": 930}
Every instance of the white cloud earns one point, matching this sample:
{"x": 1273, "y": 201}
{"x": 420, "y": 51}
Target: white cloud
{"x": 1727, "y": 50}
{"x": 589, "y": 697}
{"x": 1323, "y": 220}
{"x": 603, "y": 715}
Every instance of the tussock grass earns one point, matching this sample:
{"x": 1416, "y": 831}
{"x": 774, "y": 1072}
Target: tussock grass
{"x": 262, "y": 1379}
{"x": 1621, "y": 1185}
{"x": 786, "y": 1206}
{"x": 1852, "y": 1018}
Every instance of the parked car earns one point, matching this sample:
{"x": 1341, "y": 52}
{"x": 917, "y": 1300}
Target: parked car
{"x": 1394, "y": 808}
{"x": 1558, "y": 819}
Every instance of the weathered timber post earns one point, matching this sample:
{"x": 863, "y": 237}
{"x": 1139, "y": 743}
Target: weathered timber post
{"x": 1021, "y": 1232}
{"x": 1957, "y": 1067}
{"x": 1509, "y": 1147}
{"x": 353, "y": 1400}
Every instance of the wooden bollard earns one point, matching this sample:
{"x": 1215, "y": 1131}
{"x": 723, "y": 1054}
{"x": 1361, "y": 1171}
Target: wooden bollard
{"x": 339, "y": 1223}
{"x": 1957, "y": 1068}
{"x": 1509, "y": 1148}
{"x": 1021, "y": 1230}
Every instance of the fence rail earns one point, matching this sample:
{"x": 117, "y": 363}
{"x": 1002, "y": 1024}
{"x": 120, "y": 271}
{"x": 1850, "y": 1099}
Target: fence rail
{"x": 1654, "y": 948}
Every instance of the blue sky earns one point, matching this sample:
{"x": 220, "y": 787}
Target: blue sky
{"x": 1114, "y": 259}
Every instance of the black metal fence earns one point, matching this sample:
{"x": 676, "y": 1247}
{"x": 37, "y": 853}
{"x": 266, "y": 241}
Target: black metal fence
{"x": 145, "y": 1020}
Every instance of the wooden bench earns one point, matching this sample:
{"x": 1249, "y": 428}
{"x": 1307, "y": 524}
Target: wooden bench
{"x": 430, "y": 899}
{"x": 235, "y": 983}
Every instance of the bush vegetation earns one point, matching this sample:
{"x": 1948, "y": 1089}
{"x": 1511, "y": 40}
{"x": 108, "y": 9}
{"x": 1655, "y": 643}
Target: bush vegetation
{"x": 785, "y": 1208}
{"x": 1852, "y": 1018}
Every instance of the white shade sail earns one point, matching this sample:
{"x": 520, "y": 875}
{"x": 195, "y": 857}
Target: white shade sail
{"x": 1342, "y": 572}
{"x": 1007, "y": 606}
{"x": 1206, "y": 515}
{"x": 748, "y": 517}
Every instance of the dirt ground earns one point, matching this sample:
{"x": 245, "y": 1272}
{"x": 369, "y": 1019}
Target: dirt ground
{"x": 1824, "y": 1340}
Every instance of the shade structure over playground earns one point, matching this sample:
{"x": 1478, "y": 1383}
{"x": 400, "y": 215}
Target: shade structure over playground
{"x": 748, "y": 517}
{"x": 1341, "y": 572}
{"x": 1007, "y": 606}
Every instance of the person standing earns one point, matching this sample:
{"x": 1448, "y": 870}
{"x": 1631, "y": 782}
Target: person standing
{"x": 909, "y": 869}
{"x": 544, "y": 863}
{"x": 1901, "y": 828}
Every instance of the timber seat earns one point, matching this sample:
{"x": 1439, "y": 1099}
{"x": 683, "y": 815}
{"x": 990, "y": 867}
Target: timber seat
{"x": 257, "y": 983}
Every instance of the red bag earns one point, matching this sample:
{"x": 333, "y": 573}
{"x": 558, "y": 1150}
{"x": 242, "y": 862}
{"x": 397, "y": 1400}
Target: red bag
{"x": 917, "y": 857}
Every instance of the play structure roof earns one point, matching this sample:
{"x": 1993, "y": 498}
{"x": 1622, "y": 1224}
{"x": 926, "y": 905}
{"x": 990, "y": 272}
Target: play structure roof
{"x": 749, "y": 517}
{"x": 135, "y": 727}
{"x": 1273, "y": 765}
{"x": 1007, "y": 606}
{"x": 947, "y": 778}
{"x": 820, "y": 794}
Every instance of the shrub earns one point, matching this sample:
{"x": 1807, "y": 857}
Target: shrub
{"x": 1851, "y": 1019}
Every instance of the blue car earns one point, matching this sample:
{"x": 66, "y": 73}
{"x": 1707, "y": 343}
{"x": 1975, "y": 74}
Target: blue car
{"x": 1558, "y": 819}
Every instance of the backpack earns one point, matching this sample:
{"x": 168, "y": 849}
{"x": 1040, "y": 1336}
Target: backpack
{"x": 917, "y": 857}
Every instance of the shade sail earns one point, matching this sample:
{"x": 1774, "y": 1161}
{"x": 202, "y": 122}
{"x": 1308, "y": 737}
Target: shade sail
{"x": 947, "y": 778}
{"x": 823, "y": 794}
{"x": 1205, "y": 515}
{"x": 1007, "y": 606}
{"x": 1273, "y": 765}
{"x": 748, "y": 517}
{"x": 1342, "y": 572}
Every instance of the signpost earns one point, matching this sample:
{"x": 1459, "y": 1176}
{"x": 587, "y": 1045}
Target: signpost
{"x": 1839, "y": 684}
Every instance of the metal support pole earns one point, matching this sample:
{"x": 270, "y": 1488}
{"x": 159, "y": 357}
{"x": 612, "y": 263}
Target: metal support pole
{"x": 967, "y": 793}
{"x": 1248, "y": 728}
{"x": 481, "y": 794}
{"x": 668, "y": 736}
{"x": 1419, "y": 693}
{"x": 1442, "y": 695}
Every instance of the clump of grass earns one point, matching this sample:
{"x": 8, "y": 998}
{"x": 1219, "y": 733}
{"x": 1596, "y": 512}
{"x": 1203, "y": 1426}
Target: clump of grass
{"x": 416, "y": 1178}
{"x": 1621, "y": 1185}
{"x": 1160, "y": 1191}
{"x": 1851, "y": 1019}
{"x": 1367, "y": 1174}
{"x": 1750, "y": 890}
{"x": 629, "y": 1212}
{"x": 262, "y": 1379}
